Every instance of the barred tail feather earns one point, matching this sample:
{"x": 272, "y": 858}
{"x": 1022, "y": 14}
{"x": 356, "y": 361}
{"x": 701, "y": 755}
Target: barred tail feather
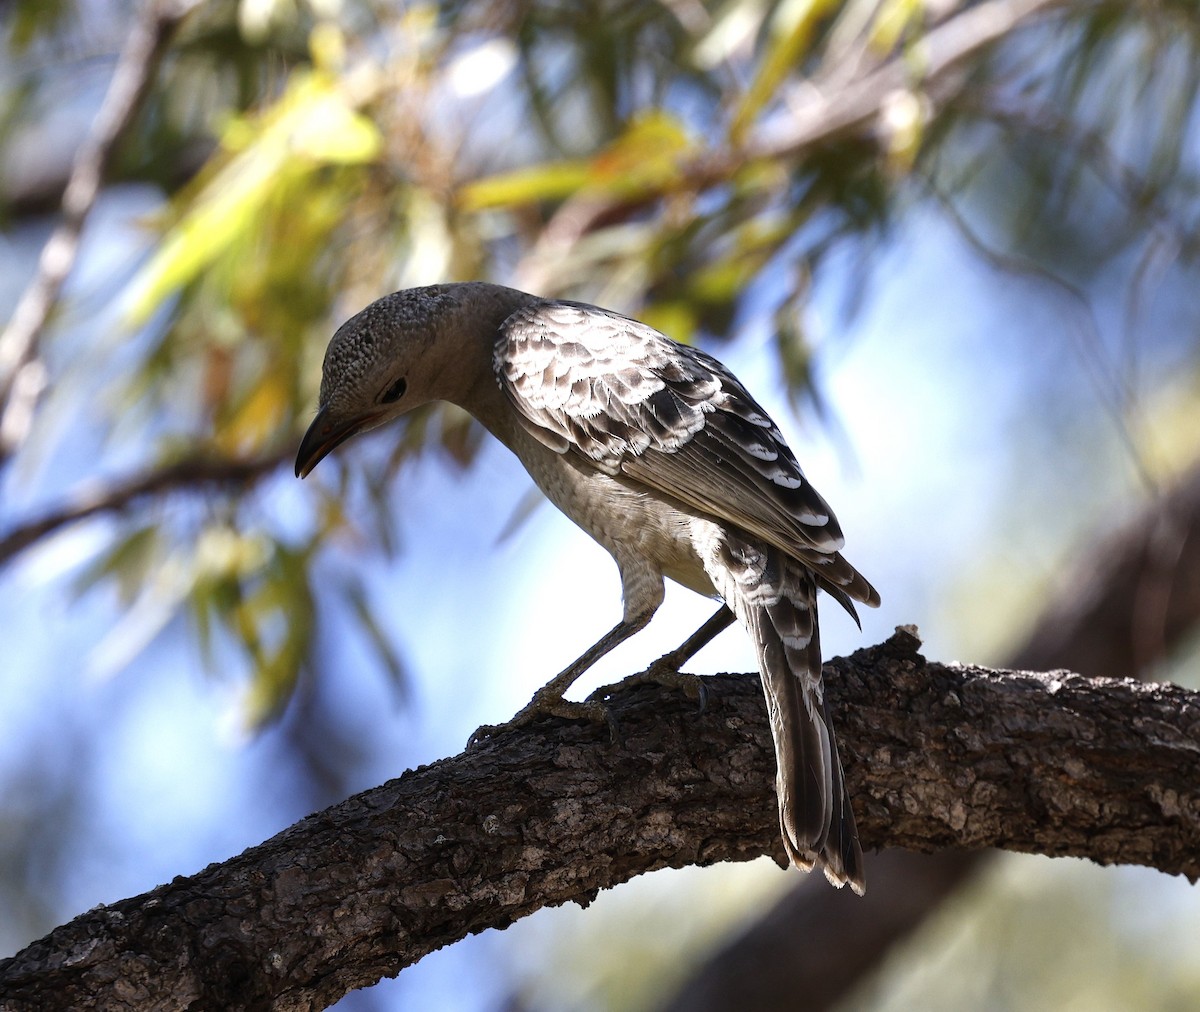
{"x": 815, "y": 816}
{"x": 842, "y": 852}
{"x": 775, "y": 598}
{"x": 804, "y": 774}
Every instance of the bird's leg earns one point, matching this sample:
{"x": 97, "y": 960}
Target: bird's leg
{"x": 701, "y": 638}
{"x": 548, "y": 700}
{"x": 665, "y": 670}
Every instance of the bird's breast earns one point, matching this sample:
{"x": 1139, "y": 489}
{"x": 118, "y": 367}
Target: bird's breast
{"x": 628, "y": 520}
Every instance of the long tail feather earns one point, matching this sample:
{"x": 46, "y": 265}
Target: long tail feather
{"x": 775, "y": 599}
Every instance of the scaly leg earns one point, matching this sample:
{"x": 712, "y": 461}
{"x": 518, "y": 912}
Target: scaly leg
{"x": 665, "y": 670}
{"x": 548, "y": 700}
{"x": 701, "y": 638}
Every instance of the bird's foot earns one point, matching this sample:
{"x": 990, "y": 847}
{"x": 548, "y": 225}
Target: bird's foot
{"x": 662, "y": 672}
{"x": 548, "y": 704}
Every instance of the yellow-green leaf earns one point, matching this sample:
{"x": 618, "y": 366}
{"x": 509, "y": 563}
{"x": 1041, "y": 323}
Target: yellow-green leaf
{"x": 313, "y": 124}
{"x": 792, "y": 30}
{"x": 548, "y": 181}
{"x": 331, "y": 133}
{"x": 892, "y": 21}
{"x": 646, "y": 156}
{"x": 676, "y": 319}
{"x": 644, "y": 159}
{"x": 258, "y": 418}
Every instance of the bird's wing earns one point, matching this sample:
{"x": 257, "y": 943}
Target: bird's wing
{"x": 661, "y": 414}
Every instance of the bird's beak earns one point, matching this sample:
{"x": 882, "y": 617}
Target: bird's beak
{"x": 323, "y": 435}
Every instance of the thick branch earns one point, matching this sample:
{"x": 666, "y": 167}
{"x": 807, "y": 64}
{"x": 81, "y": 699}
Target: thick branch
{"x": 1128, "y": 603}
{"x": 937, "y": 756}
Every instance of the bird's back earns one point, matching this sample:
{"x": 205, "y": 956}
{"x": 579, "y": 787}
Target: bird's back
{"x": 659, "y": 416}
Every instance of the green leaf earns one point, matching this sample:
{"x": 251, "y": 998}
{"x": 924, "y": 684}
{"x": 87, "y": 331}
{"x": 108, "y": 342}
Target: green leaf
{"x": 793, "y": 29}
{"x": 549, "y": 181}
{"x": 676, "y": 319}
{"x": 645, "y": 158}
{"x": 331, "y": 133}
{"x": 892, "y": 22}
{"x": 34, "y": 18}
{"x": 276, "y": 623}
{"x": 262, "y": 158}
{"x": 127, "y": 562}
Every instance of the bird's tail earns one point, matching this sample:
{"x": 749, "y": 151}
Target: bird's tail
{"x": 776, "y": 600}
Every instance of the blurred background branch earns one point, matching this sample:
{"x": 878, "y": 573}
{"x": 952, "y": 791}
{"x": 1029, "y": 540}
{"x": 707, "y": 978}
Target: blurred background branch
{"x": 22, "y": 375}
{"x": 190, "y": 475}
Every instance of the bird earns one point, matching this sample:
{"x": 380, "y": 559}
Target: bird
{"x": 656, "y": 450}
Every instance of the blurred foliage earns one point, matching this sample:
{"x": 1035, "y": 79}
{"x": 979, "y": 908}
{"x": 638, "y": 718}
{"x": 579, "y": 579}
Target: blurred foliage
{"x": 315, "y": 155}
{"x": 30, "y": 19}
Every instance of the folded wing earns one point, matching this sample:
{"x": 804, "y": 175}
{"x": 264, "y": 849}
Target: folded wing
{"x": 664, "y": 415}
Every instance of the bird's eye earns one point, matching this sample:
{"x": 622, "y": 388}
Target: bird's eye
{"x": 395, "y": 391}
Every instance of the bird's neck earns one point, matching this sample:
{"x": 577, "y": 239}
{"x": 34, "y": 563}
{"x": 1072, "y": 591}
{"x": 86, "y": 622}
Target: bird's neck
{"x": 476, "y": 388}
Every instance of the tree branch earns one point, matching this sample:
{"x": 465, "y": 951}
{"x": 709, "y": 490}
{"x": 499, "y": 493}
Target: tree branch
{"x": 859, "y": 104}
{"x": 937, "y": 756}
{"x": 22, "y": 375}
{"x": 817, "y": 114}
{"x": 1125, "y": 606}
{"x": 93, "y": 499}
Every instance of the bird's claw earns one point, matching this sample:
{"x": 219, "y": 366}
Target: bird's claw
{"x": 660, "y": 673}
{"x": 692, "y": 686}
{"x": 591, "y": 710}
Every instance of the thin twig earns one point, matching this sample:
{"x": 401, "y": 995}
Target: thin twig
{"x": 817, "y": 115}
{"x": 1116, "y": 396}
{"x": 22, "y": 373}
{"x": 1089, "y": 147}
{"x": 189, "y": 473}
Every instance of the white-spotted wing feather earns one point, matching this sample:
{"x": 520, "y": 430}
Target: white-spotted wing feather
{"x": 653, "y": 411}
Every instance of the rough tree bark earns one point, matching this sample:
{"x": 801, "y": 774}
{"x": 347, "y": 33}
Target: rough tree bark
{"x": 1126, "y": 605}
{"x": 937, "y": 756}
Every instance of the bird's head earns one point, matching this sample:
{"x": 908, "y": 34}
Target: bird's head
{"x": 396, "y": 354}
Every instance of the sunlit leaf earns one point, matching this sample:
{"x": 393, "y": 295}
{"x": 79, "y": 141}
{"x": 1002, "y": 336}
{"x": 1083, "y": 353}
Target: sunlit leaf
{"x": 549, "y": 181}
{"x": 792, "y": 29}
{"x": 223, "y": 552}
{"x": 902, "y": 125}
{"x": 329, "y": 132}
{"x": 892, "y": 21}
{"x": 676, "y": 319}
{"x": 645, "y": 157}
{"x": 311, "y": 126}
{"x": 258, "y": 420}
